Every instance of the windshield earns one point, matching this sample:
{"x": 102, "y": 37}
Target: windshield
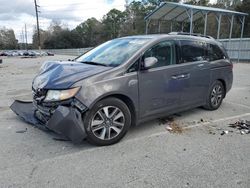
{"x": 114, "y": 52}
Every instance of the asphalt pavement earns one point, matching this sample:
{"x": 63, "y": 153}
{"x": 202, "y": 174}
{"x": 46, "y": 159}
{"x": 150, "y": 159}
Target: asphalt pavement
{"x": 148, "y": 156}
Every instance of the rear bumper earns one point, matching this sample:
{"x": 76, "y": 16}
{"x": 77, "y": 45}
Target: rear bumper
{"x": 65, "y": 121}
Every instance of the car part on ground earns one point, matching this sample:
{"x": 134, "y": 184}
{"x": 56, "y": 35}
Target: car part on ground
{"x": 65, "y": 121}
{"x": 242, "y": 125}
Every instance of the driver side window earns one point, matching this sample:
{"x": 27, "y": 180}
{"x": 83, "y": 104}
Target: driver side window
{"x": 164, "y": 52}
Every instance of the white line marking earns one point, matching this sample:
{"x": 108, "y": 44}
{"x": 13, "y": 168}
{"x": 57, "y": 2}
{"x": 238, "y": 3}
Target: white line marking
{"x": 218, "y": 120}
{"x": 242, "y": 105}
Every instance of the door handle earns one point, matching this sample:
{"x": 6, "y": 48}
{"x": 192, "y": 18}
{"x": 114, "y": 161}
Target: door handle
{"x": 180, "y": 76}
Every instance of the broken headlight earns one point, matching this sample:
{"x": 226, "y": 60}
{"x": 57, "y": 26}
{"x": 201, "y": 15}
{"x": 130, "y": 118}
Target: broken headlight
{"x": 59, "y": 95}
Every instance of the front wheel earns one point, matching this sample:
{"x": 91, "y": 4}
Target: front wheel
{"x": 107, "y": 122}
{"x": 215, "y": 96}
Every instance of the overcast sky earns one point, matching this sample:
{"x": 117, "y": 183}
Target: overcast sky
{"x": 15, "y": 13}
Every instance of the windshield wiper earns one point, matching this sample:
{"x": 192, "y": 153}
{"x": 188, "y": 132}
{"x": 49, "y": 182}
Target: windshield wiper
{"x": 94, "y": 63}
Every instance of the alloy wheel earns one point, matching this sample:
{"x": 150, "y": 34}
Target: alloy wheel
{"x": 216, "y": 95}
{"x": 107, "y": 123}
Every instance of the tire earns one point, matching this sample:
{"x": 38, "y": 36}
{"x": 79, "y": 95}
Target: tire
{"x": 107, "y": 122}
{"x": 215, "y": 96}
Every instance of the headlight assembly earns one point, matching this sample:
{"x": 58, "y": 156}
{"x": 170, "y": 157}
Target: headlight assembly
{"x": 59, "y": 95}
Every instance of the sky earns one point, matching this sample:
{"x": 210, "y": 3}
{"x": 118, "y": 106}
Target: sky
{"x": 16, "y": 13}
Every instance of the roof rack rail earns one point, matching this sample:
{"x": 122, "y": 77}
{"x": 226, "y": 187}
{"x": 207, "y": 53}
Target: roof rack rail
{"x": 191, "y": 34}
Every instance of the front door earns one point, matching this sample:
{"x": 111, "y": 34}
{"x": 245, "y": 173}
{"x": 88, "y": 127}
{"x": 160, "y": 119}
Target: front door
{"x": 159, "y": 90}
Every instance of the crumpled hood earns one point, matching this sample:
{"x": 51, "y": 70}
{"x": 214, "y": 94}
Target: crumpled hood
{"x": 63, "y": 74}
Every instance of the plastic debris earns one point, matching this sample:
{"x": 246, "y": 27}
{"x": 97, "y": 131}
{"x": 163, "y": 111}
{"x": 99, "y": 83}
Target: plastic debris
{"x": 173, "y": 127}
{"x": 242, "y": 125}
{"x": 22, "y": 131}
{"x": 169, "y": 128}
{"x": 224, "y": 132}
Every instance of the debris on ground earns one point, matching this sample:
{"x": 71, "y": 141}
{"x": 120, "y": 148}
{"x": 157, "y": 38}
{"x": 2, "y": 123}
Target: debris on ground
{"x": 173, "y": 127}
{"x": 163, "y": 121}
{"x": 211, "y": 132}
{"x": 202, "y": 121}
{"x": 242, "y": 125}
{"x": 22, "y": 131}
{"x": 224, "y": 132}
{"x": 169, "y": 128}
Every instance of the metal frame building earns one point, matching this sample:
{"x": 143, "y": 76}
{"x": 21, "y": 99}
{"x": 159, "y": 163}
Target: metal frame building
{"x": 182, "y": 13}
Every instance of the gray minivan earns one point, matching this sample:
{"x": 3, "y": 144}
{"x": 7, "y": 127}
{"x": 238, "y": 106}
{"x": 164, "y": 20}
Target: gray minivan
{"x": 126, "y": 81}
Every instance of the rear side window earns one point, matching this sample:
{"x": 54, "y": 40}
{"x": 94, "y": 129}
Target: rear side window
{"x": 215, "y": 53}
{"x": 192, "y": 51}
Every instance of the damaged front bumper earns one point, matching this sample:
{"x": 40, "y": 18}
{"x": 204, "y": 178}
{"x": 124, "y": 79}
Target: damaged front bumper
{"x": 63, "y": 120}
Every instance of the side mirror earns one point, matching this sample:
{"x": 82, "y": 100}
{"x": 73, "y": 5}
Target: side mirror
{"x": 149, "y": 62}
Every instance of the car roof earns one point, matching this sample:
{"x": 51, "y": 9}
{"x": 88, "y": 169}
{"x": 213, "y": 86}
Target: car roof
{"x": 175, "y": 36}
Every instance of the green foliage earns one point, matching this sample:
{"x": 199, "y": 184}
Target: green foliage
{"x": 245, "y": 7}
{"x": 112, "y": 22}
{"x": 7, "y": 39}
{"x": 134, "y": 23}
{"x": 59, "y": 38}
{"x": 131, "y": 22}
{"x": 89, "y": 32}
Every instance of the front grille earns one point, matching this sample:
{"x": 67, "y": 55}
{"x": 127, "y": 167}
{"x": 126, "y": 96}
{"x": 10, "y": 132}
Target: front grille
{"x": 39, "y": 94}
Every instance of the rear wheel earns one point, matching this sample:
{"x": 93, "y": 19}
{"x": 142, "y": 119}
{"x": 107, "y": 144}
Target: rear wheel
{"x": 107, "y": 122}
{"x": 216, "y": 95}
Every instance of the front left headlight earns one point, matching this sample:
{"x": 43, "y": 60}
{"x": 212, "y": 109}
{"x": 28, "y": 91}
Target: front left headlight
{"x": 59, "y": 95}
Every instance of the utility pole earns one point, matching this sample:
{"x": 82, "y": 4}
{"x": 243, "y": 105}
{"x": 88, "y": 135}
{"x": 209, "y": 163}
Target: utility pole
{"x": 22, "y": 39}
{"x": 126, "y": 3}
{"x": 26, "y": 41}
{"x": 37, "y": 25}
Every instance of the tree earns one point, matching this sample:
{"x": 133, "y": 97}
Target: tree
{"x": 90, "y": 32}
{"x": 112, "y": 23}
{"x": 43, "y": 36}
{"x": 8, "y": 39}
{"x": 245, "y": 7}
{"x": 60, "y": 37}
{"x": 134, "y": 19}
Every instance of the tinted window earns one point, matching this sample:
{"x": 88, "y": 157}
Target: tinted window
{"x": 215, "y": 53}
{"x": 192, "y": 51}
{"x": 164, "y": 52}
